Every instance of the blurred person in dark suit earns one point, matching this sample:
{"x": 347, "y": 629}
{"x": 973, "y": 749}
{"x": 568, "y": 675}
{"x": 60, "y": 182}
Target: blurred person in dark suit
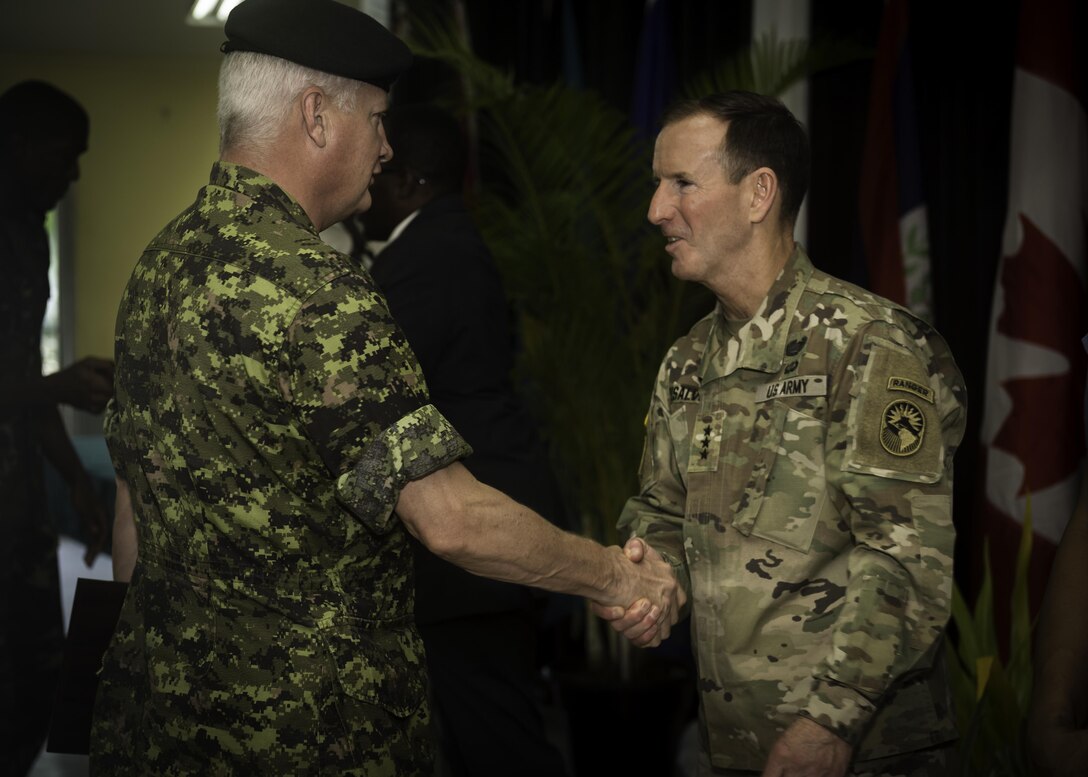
{"x": 444, "y": 291}
{"x": 43, "y": 132}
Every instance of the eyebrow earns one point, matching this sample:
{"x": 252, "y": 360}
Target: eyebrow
{"x": 672, "y": 175}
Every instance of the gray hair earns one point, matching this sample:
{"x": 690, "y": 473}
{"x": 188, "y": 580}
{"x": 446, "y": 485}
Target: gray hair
{"x": 256, "y": 91}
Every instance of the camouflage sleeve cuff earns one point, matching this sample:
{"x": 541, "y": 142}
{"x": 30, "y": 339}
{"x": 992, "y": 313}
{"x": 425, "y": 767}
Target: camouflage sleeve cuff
{"x": 840, "y": 709}
{"x": 680, "y": 570}
{"x": 415, "y": 446}
{"x": 664, "y": 536}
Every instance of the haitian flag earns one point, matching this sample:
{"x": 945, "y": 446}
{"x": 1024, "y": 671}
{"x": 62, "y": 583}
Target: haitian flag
{"x": 894, "y": 228}
{"x": 1032, "y": 427}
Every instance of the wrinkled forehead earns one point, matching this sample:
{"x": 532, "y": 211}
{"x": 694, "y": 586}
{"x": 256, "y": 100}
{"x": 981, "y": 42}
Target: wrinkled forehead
{"x": 372, "y": 99}
{"x": 689, "y": 142}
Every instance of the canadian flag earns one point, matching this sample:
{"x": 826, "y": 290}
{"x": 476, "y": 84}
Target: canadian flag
{"x": 1033, "y": 423}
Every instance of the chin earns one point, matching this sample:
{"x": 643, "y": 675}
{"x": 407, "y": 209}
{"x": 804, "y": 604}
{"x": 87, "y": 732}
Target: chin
{"x": 680, "y": 270}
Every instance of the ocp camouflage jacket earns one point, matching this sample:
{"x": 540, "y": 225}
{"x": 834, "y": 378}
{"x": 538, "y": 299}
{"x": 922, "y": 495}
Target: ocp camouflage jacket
{"x": 799, "y": 478}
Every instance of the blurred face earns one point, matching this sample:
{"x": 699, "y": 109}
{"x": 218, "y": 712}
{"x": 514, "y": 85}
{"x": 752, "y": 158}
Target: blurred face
{"x": 46, "y": 166}
{"x": 702, "y": 215}
{"x": 382, "y": 216}
{"x": 358, "y": 146}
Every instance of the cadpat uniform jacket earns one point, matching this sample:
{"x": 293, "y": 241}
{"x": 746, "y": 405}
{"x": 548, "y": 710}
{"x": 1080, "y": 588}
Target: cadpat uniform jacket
{"x": 267, "y": 413}
{"x": 799, "y": 478}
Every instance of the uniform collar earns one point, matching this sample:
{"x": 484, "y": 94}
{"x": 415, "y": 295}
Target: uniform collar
{"x": 261, "y": 189}
{"x": 761, "y": 342}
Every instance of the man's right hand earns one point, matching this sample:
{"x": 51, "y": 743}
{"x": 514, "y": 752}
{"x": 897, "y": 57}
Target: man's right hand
{"x": 87, "y": 384}
{"x": 645, "y": 623}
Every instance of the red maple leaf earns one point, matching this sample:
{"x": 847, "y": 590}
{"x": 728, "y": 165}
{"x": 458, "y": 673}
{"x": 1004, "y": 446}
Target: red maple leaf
{"x": 1044, "y": 305}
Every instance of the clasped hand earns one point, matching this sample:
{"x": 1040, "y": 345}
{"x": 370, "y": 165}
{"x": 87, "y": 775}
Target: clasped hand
{"x": 649, "y": 620}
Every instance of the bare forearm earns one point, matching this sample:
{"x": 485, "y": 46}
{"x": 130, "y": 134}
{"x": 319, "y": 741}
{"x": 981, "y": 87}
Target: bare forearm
{"x": 485, "y": 532}
{"x": 506, "y": 541}
{"x": 125, "y": 547}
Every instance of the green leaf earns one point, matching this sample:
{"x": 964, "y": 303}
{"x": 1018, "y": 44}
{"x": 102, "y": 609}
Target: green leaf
{"x": 771, "y": 66}
{"x": 1020, "y": 620}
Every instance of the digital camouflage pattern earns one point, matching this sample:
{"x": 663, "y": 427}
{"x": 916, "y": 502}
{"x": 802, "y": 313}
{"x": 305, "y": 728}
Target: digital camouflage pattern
{"x": 267, "y": 413}
{"x": 799, "y": 478}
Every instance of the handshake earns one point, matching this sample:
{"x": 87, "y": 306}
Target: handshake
{"x": 648, "y": 581}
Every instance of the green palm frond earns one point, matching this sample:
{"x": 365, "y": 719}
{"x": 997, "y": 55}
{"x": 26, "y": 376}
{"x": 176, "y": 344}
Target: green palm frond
{"x": 991, "y": 696}
{"x": 436, "y": 36}
{"x": 771, "y": 66}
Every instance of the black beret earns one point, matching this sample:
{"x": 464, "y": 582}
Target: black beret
{"x": 321, "y": 34}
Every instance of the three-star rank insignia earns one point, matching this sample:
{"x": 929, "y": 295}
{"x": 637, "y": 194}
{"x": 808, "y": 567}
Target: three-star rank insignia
{"x": 902, "y": 426}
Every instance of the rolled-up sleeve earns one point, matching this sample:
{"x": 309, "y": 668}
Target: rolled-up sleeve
{"x": 357, "y": 388}
{"x": 416, "y": 445}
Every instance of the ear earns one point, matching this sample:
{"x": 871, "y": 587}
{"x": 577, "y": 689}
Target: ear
{"x": 764, "y": 193}
{"x": 315, "y": 115}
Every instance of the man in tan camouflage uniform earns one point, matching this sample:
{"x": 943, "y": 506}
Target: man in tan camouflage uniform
{"x": 797, "y": 472}
{"x": 269, "y": 429}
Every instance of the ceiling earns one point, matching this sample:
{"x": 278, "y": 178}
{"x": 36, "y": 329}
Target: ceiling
{"x": 133, "y": 27}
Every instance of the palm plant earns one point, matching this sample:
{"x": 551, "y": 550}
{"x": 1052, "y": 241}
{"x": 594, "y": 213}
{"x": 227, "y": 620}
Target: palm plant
{"x": 562, "y": 207}
{"x": 990, "y": 696}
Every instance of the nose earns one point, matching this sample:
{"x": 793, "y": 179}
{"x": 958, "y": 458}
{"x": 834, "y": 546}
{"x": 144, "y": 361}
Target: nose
{"x": 386, "y": 154}
{"x": 659, "y": 206}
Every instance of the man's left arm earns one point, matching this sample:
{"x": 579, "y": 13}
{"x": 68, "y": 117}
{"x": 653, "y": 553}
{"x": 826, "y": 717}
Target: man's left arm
{"x": 889, "y": 467}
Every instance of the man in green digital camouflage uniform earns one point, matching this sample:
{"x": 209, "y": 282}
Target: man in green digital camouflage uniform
{"x": 797, "y": 472}
{"x": 274, "y": 442}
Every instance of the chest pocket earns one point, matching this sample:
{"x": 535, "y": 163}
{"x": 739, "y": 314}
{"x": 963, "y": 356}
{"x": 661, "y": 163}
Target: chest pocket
{"x": 784, "y": 493}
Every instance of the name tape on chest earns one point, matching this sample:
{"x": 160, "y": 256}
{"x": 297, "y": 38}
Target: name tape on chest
{"x": 678, "y": 393}
{"x": 807, "y": 386}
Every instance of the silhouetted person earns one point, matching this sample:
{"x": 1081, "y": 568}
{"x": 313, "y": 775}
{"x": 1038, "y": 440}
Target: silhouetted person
{"x": 43, "y": 131}
{"x": 445, "y": 293}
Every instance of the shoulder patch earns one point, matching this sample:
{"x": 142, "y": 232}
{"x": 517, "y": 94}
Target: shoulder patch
{"x": 902, "y": 427}
{"x": 893, "y": 422}
{"x": 896, "y": 383}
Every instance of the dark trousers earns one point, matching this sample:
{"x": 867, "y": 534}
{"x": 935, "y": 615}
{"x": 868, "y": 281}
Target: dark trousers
{"x": 484, "y": 697}
{"x": 31, "y": 642}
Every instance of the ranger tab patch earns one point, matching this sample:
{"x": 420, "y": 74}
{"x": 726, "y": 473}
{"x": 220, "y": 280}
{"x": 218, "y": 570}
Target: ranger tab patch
{"x": 902, "y": 427}
{"x": 911, "y": 387}
{"x": 801, "y": 386}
